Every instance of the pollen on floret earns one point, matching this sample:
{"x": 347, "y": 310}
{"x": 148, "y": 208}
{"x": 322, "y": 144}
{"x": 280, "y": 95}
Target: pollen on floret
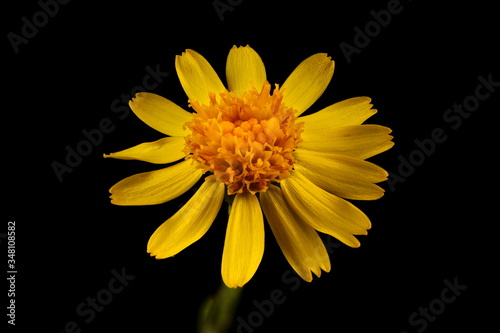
{"x": 247, "y": 142}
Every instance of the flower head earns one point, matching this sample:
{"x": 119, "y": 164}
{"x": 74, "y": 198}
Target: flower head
{"x": 252, "y": 144}
{"x": 247, "y": 142}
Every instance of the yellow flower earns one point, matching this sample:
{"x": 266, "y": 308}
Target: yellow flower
{"x": 252, "y": 144}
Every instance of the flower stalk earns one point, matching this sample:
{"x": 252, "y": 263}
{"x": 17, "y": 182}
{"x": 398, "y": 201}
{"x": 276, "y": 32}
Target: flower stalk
{"x": 217, "y": 311}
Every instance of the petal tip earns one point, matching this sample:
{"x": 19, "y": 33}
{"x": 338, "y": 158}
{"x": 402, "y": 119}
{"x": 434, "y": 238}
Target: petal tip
{"x": 183, "y": 53}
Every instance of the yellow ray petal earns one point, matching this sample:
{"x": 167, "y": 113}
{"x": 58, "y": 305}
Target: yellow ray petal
{"x": 324, "y": 211}
{"x": 161, "y": 114}
{"x": 155, "y": 187}
{"x": 244, "y": 244}
{"x": 244, "y": 70}
{"x": 360, "y": 141}
{"x": 352, "y": 111}
{"x": 165, "y": 150}
{"x": 344, "y": 176}
{"x": 197, "y": 76}
{"x": 307, "y": 82}
{"x": 190, "y": 223}
{"x": 299, "y": 242}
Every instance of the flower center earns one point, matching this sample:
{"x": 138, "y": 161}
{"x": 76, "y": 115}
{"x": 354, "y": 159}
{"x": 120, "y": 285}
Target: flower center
{"x": 247, "y": 142}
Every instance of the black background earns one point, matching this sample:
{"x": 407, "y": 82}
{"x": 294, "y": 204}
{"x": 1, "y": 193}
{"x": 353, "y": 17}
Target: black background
{"x": 438, "y": 224}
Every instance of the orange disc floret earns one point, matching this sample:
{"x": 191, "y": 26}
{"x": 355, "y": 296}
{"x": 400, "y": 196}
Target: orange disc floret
{"x": 247, "y": 142}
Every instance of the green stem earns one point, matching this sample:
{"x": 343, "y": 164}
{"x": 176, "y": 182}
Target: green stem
{"x": 217, "y": 311}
